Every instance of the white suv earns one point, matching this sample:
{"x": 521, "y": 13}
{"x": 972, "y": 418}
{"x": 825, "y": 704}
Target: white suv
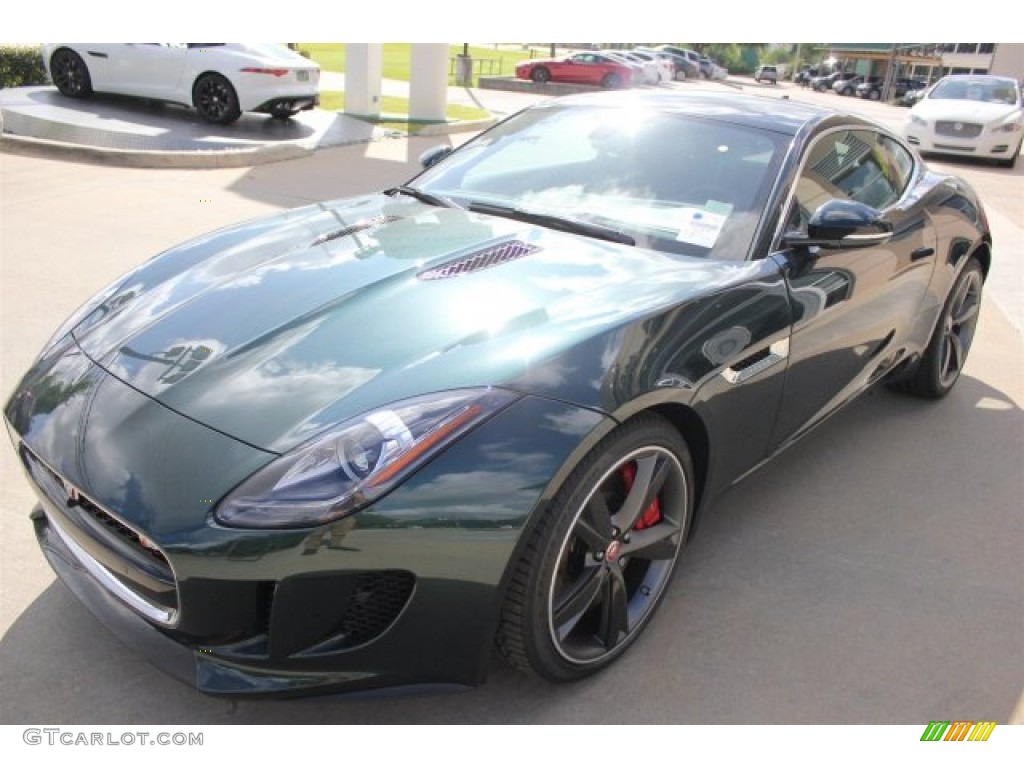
{"x": 766, "y": 72}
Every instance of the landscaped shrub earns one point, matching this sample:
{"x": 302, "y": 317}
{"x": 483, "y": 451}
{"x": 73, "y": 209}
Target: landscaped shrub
{"x": 21, "y": 65}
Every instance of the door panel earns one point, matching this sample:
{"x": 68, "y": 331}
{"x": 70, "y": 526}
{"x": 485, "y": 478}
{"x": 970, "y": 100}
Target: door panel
{"x": 853, "y": 308}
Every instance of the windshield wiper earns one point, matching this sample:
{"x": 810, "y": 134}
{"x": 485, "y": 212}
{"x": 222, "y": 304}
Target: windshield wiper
{"x": 419, "y": 194}
{"x": 561, "y": 223}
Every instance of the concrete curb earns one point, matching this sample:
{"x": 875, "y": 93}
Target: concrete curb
{"x": 147, "y": 158}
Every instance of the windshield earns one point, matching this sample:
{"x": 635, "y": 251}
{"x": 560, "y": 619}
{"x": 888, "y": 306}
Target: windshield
{"x": 674, "y": 183}
{"x": 998, "y": 91}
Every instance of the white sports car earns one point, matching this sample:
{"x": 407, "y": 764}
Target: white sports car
{"x": 221, "y": 80}
{"x": 970, "y": 116}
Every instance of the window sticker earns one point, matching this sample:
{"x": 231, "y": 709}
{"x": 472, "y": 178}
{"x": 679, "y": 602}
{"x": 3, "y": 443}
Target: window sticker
{"x": 699, "y": 226}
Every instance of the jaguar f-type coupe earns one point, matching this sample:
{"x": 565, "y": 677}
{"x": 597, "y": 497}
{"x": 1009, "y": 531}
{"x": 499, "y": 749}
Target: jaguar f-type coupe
{"x": 363, "y": 443}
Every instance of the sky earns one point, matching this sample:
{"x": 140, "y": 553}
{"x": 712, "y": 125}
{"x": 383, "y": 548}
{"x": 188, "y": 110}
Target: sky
{"x": 477, "y": 20}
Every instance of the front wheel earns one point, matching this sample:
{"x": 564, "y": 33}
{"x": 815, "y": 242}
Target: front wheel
{"x": 215, "y": 99}
{"x": 874, "y": 95}
{"x": 944, "y": 358}
{"x": 540, "y": 75}
{"x": 599, "y": 560}
{"x": 70, "y": 74}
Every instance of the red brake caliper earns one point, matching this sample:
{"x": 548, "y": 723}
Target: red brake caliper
{"x": 652, "y": 514}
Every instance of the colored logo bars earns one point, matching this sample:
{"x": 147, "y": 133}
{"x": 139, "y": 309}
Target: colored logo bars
{"x": 960, "y": 730}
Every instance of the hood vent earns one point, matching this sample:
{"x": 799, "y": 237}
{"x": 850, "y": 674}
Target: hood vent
{"x": 359, "y": 226}
{"x": 474, "y": 262}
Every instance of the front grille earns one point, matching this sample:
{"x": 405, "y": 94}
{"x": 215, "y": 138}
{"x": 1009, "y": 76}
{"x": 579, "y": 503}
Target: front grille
{"x": 474, "y": 262}
{"x": 120, "y": 529}
{"x": 377, "y": 600}
{"x": 958, "y": 129}
{"x": 120, "y": 558}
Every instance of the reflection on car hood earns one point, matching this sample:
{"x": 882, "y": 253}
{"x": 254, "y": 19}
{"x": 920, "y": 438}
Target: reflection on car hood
{"x": 274, "y": 330}
{"x": 964, "y": 110}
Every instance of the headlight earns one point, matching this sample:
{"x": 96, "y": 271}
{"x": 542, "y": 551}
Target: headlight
{"x": 1007, "y": 128}
{"x": 920, "y": 121}
{"x": 358, "y": 461}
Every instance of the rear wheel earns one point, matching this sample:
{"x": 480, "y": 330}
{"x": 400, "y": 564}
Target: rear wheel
{"x": 540, "y": 75}
{"x": 944, "y": 358}
{"x": 70, "y": 74}
{"x": 611, "y": 80}
{"x": 597, "y": 564}
{"x": 215, "y": 99}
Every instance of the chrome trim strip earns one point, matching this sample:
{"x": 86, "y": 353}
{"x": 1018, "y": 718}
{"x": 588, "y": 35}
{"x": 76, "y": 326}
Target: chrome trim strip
{"x": 113, "y": 584}
{"x": 777, "y": 352}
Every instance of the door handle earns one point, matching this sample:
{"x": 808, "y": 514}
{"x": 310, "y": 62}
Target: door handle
{"x": 921, "y": 253}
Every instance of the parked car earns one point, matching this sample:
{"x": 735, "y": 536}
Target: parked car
{"x": 873, "y": 89}
{"x": 689, "y": 59}
{"x": 220, "y": 80}
{"x": 910, "y": 98}
{"x": 847, "y": 86}
{"x": 766, "y": 72}
{"x": 666, "y": 68}
{"x": 646, "y": 71}
{"x": 585, "y": 67}
{"x": 679, "y": 63}
{"x": 969, "y": 116}
{"x": 825, "y": 82}
{"x": 365, "y": 442}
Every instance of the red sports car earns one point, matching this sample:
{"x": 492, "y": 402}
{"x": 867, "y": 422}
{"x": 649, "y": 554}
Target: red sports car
{"x": 595, "y": 68}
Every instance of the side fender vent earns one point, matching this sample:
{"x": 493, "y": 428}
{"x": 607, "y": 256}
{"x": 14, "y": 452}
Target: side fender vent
{"x": 474, "y": 262}
{"x": 359, "y": 226}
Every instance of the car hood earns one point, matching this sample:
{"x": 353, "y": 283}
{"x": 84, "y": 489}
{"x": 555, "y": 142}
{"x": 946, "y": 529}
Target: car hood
{"x": 964, "y": 110}
{"x": 274, "y": 330}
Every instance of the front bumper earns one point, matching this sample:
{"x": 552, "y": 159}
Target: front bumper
{"x": 986, "y": 145}
{"x": 404, "y": 593}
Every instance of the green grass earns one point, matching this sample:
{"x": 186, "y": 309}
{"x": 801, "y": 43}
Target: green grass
{"x": 395, "y": 111}
{"x": 397, "y": 58}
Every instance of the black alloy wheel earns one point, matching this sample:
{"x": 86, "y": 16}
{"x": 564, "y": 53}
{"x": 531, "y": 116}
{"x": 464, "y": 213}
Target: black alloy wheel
{"x": 70, "y": 74}
{"x": 598, "y": 563}
{"x": 215, "y": 99}
{"x": 540, "y": 75}
{"x": 946, "y": 354}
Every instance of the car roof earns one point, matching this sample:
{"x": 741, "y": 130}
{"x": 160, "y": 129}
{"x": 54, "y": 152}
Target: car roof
{"x": 767, "y": 113}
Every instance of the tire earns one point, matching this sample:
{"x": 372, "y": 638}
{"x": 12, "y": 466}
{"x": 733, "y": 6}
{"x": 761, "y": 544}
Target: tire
{"x": 611, "y": 80}
{"x": 597, "y": 563}
{"x": 847, "y": 91}
{"x": 681, "y": 75}
{"x": 215, "y": 99}
{"x": 540, "y": 75}
{"x": 946, "y": 353}
{"x": 70, "y": 74}
{"x": 874, "y": 95}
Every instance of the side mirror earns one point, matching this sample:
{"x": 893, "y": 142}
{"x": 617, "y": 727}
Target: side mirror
{"x": 435, "y": 154}
{"x": 842, "y": 224}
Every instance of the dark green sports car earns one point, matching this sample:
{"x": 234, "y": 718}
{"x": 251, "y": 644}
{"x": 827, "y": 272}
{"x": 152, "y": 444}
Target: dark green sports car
{"x": 359, "y": 444}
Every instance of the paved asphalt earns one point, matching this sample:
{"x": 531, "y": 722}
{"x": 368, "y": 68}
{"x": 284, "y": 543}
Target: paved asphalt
{"x": 873, "y": 574}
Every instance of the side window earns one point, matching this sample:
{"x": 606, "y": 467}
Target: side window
{"x": 861, "y": 165}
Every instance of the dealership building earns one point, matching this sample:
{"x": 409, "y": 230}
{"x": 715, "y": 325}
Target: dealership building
{"x": 929, "y": 61}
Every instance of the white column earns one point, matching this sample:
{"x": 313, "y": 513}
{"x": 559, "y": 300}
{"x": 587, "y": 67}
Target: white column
{"x": 428, "y": 81}
{"x": 363, "y": 71}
